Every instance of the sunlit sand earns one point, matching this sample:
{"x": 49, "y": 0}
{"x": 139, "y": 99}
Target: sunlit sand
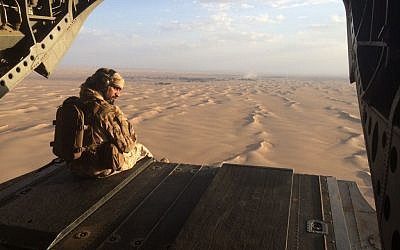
{"x": 310, "y": 125}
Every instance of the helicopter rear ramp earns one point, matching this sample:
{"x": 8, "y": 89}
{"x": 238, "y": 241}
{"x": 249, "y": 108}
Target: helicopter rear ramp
{"x": 181, "y": 206}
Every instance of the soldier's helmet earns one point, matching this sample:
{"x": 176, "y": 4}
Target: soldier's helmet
{"x": 103, "y": 78}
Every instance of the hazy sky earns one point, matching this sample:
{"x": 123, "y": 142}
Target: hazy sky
{"x": 248, "y": 36}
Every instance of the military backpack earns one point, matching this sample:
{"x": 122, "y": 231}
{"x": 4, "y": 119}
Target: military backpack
{"x": 70, "y": 128}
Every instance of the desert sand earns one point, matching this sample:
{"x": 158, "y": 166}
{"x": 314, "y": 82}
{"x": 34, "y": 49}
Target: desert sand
{"x": 310, "y": 125}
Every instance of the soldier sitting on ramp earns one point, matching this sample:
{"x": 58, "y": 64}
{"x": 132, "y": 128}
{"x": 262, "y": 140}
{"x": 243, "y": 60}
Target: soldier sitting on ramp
{"x": 107, "y": 143}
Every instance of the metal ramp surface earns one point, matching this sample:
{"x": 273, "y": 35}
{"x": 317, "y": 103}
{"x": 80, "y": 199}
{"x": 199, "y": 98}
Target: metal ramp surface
{"x": 181, "y": 206}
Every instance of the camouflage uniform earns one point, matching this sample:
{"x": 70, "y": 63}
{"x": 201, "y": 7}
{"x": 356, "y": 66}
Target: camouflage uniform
{"x": 112, "y": 141}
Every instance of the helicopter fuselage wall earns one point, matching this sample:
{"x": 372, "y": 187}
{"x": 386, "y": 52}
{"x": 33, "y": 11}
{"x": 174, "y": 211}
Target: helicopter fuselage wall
{"x": 35, "y": 35}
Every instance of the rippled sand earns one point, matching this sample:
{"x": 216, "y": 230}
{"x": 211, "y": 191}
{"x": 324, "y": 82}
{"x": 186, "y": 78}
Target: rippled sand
{"x": 312, "y": 126}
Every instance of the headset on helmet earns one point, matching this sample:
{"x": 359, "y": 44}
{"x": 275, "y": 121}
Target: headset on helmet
{"x": 103, "y": 78}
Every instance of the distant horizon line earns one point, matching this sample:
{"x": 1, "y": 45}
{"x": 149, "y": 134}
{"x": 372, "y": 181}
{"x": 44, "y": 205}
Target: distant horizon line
{"x": 249, "y": 74}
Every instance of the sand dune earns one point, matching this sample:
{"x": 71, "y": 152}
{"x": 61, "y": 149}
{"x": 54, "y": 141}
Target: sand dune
{"x": 344, "y": 114}
{"x": 3, "y": 128}
{"x": 32, "y": 128}
{"x": 252, "y": 153}
{"x": 309, "y": 125}
{"x": 348, "y": 116}
{"x": 253, "y": 119}
{"x": 354, "y": 137}
{"x": 338, "y": 100}
{"x": 358, "y": 159}
{"x": 18, "y": 111}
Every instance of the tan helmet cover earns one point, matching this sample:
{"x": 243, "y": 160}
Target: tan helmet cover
{"x": 117, "y": 80}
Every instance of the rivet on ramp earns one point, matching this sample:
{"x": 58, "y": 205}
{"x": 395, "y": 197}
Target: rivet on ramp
{"x": 114, "y": 238}
{"x": 137, "y": 242}
{"x": 82, "y": 235}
